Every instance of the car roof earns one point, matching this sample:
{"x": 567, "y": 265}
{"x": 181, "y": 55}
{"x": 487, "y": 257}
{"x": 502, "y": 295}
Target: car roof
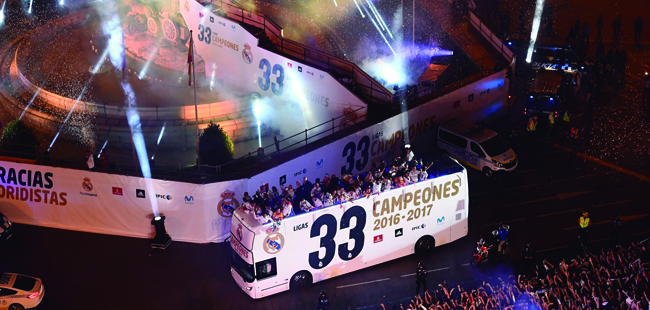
{"x": 547, "y": 82}
{"x": 469, "y": 130}
{"x": 10, "y": 281}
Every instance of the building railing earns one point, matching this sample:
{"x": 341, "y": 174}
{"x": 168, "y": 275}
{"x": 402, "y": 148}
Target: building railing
{"x": 19, "y": 151}
{"x": 301, "y": 138}
{"x": 366, "y": 87}
{"x": 490, "y": 37}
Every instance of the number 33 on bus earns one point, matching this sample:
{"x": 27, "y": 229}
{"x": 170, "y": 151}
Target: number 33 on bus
{"x": 329, "y": 242}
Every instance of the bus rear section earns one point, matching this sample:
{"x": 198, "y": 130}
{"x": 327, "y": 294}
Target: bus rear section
{"x": 339, "y": 239}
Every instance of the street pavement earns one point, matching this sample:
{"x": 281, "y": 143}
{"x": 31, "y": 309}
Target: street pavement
{"x": 541, "y": 201}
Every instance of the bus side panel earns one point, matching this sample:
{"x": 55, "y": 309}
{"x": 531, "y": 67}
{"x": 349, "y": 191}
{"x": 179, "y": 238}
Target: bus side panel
{"x": 368, "y": 231}
{"x": 460, "y": 222}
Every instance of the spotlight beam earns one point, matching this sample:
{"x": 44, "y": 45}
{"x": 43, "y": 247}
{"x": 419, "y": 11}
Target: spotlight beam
{"x": 138, "y": 141}
{"x": 143, "y": 72}
{"x": 162, "y": 131}
{"x": 539, "y": 8}
{"x": 29, "y": 104}
{"x": 103, "y": 146}
{"x": 380, "y": 32}
{"x": 95, "y": 69}
{"x": 375, "y": 13}
{"x": 380, "y": 19}
{"x": 335, "y": 3}
{"x": 2, "y": 12}
{"x": 30, "y": 6}
{"x": 257, "y": 112}
{"x": 358, "y": 7}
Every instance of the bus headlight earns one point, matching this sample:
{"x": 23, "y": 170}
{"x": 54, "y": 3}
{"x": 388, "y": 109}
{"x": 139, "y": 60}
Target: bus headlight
{"x": 249, "y": 288}
{"x": 496, "y": 163}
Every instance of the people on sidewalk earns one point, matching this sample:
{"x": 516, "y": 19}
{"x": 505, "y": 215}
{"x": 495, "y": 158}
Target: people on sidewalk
{"x": 551, "y": 122}
{"x": 646, "y": 88}
{"x": 638, "y": 27}
{"x": 599, "y": 24}
{"x": 583, "y": 222}
{"x": 531, "y": 129}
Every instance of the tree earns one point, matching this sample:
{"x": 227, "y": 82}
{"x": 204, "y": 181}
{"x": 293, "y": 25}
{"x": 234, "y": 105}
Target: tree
{"x": 215, "y": 146}
{"x": 18, "y": 140}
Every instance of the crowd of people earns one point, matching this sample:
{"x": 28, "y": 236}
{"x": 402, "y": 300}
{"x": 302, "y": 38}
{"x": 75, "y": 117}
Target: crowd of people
{"x": 275, "y": 204}
{"x": 617, "y": 278}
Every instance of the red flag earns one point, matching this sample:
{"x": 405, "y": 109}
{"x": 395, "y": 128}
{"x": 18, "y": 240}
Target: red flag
{"x": 190, "y": 59}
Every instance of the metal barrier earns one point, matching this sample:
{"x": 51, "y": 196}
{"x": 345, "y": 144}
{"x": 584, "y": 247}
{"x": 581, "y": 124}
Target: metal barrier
{"x": 367, "y": 88}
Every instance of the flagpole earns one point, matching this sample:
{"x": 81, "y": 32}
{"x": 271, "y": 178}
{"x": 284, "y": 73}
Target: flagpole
{"x": 196, "y": 109}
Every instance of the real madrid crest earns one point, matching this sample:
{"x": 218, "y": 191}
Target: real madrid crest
{"x": 228, "y": 203}
{"x": 247, "y": 54}
{"x": 273, "y": 243}
{"x": 87, "y": 186}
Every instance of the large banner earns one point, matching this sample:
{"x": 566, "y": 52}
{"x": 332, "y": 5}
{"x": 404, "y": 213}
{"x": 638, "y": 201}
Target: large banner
{"x": 232, "y": 56}
{"x": 115, "y": 204}
{"x": 482, "y": 100}
{"x": 122, "y": 205}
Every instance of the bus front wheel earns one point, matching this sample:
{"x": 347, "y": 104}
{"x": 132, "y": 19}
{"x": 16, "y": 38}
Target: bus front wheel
{"x": 425, "y": 245}
{"x": 300, "y": 279}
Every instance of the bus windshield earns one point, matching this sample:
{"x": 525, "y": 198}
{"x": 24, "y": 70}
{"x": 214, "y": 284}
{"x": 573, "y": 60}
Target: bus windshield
{"x": 495, "y": 146}
{"x": 244, "y": 269}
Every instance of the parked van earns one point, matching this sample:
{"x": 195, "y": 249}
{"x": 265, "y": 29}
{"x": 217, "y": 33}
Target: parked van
{"x": 476, "y": 146}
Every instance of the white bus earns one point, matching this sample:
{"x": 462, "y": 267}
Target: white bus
{"x": 329, "y": 242}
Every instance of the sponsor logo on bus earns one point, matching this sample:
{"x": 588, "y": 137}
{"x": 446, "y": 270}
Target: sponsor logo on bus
{"x": 301, "y": 226}
{"x": 379, "y": 238}
{"x": 273, "y": 243}
{"x": 419, "y": 227}
{"x": 228, "y": 203}
{"x": 399, "y": 232}
{"x": 441, "y": 220}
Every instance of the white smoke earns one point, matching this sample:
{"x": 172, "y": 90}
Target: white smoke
{"x": 113, "y": 32}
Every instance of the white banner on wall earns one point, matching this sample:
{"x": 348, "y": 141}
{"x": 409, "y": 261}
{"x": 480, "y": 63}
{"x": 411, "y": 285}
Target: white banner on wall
{"x": 115, "y": 204}
{"x": 482, "y": 100}
{"x": 232, "y": 56}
